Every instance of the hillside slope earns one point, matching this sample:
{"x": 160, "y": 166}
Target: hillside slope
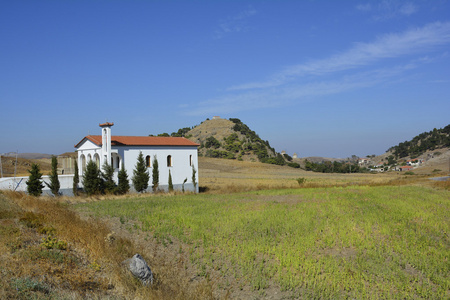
{"x": 232, "y": 139}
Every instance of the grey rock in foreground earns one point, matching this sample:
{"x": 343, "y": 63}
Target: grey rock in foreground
{"x": 140, "y": 269}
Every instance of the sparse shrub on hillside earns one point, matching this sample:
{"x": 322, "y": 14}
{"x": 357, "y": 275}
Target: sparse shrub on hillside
{"x": 212, "y": 142}
{"x": 219, "y": 154}
{"x": 34, "y": 182}
{"x": 294, "y": 165}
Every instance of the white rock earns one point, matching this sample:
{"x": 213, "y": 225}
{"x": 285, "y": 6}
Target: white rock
{"x": 140, "y": 269}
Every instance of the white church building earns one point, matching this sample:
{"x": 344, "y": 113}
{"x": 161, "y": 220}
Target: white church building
{"x": 177, "y": 154}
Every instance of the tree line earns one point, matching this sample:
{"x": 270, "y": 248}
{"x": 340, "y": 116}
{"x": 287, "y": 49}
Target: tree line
{"x": 436, "y": 138}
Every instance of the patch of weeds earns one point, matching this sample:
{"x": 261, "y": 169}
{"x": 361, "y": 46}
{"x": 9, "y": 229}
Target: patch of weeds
{"x": 51, "y": 242}
{"x": 32, "y": 220}
{"x": 301, "y": 180}
{"x": 95, "y": 266}
{"x": 51, "y": 255}
{"x": 47, "y": 230}
{"x": 27, "y": 286}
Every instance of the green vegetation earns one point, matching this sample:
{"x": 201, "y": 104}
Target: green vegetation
{"x": 76, "y": 179}
{"x": 124, "y": 185}
{"x": 194, "y": 178}
{"x": 108, "y": 182}
{"x": 140, "y": 174}
{"x": 92, "y": 181}
{"x": 333, "y": 167}
{"x": 54, "y": 181}
{"x": 329, "y": 243}
{"x": 170, "y": 182}
{"x": 155, "y": 174}
{"x": 425, "y": 141}
{"x": 34, "y": 182}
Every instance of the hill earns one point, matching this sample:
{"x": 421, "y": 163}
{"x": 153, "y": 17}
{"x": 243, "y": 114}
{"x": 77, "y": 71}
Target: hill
{"x": 232, "y": 139}
{"x": 426, "y": 141}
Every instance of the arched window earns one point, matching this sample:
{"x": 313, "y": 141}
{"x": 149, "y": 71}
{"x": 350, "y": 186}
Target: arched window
{"x": 169, "y": 160}
{"x": 97, "y": 160}
{"x": 148, "y": 161}
{"x": 82, "y": 163}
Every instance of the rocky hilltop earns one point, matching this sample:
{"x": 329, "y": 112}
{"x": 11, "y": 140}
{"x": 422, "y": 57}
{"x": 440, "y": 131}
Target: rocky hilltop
{"x": 232, "y": 139}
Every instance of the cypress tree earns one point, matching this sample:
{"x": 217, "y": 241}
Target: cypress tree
{"x": 194, "y": 182}
{"x": 140, "y": 175}
{"x": 124, "y": 185}
{"x": 108, "y": 181}
{"x": 54, "y": 181}
{"x": 182, "y": 187}
{"x": 155, "y": 174}
{"x": 92, "y": 181}
{"x": 170, "y": 182}
{"x": 76, "y": 180}
{"x": 34, "y": 182}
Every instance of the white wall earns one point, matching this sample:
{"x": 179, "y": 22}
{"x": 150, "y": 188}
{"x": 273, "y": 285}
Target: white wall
{"x": 180, "y": 169}
{"x": 19, "y": 184}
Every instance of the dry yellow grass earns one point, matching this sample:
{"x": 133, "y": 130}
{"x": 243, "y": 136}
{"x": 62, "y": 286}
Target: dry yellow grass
{"x": 91, "y": 266}
{"x": 219, "y": 175}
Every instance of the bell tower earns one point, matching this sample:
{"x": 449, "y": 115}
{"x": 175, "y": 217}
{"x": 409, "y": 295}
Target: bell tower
{"x": 106, "y": 143}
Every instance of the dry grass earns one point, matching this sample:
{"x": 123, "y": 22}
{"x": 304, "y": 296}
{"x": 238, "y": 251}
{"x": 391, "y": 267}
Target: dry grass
{"x": 91, "y": 266}
{"x": 230, "y": 176}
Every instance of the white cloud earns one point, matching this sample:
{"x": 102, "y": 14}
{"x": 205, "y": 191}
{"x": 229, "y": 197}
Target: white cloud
{"x": 236, "y": 23}
{"x": 388, "y": 9}
{"x": 284, "y": 96}
{"x": 388, "y": 46}
{"x": 364, "y": 7}
{"x": 306, "y": 81}
{"x": 408, "y": 9}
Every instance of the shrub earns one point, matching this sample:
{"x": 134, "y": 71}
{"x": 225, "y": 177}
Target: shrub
{"x": 76, "y": 180}
{"x": 124, "y": 186}
{"x": 294, "y": 165}
{"x": 301, "y": 180}
{"x": 54, "y": 181}
{"x": 155, "y": 174}
{"x": 140, "y": 174}
{"x": 92, "y": 181}
{"x": 108, "y": 181}
{"x": 34, "y": 182}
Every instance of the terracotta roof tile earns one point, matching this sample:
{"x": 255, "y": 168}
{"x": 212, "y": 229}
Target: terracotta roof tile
{"x": 140, "y": 141}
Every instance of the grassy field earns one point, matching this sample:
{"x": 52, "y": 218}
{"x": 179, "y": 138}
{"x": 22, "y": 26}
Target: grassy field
{"x": 345, "y": 242}
{"x": 256, "y": 233}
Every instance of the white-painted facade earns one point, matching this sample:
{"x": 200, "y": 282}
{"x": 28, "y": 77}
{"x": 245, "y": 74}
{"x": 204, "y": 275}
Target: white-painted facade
{"x": 178, "y": 155}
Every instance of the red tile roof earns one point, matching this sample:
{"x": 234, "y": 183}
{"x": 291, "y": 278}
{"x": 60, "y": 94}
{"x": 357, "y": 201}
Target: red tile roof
{"x": 141, "y": 141}
{"x": 106, "y": 124}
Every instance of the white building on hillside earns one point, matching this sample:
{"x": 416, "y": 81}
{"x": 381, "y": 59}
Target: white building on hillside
{"x": 177, "y": 154}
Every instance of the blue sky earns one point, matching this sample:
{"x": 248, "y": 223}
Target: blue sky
{"x": 318, "y": 78}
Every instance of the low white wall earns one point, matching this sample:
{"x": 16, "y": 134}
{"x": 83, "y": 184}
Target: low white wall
{"x": 19, "y": 184}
